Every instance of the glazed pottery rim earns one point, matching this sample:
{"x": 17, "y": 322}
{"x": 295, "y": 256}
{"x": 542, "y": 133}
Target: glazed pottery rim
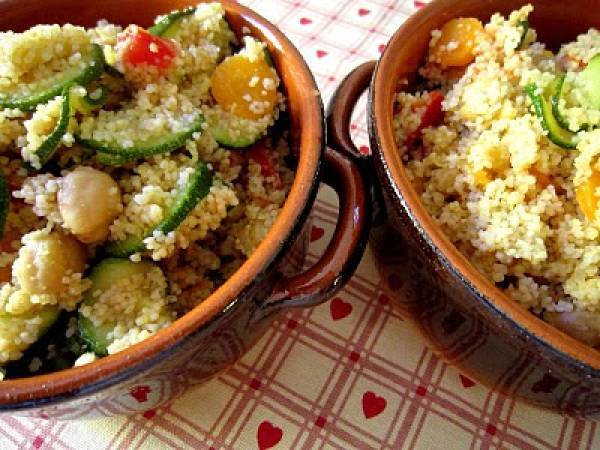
{"x": 407, "y": 201}
{"x": 54, "y": 387}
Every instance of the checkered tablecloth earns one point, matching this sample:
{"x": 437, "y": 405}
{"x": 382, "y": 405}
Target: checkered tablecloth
{"x": 348, "y": 374}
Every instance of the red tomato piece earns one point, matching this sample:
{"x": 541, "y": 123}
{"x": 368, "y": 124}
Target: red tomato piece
{"x": 262, "y": 155}
{"x": 433, "y": 115}
{"x": 143, "y": 48}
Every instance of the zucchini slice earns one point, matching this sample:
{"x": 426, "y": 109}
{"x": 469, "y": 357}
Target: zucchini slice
{"x": 104, "y": 276}
{"x": 228, "y": 136}
{"x": 543, "y": 109}
{"x": 589, "y": 80}
{"x": 142, "y": 149}
{"x": 45, "y": 151}
{"x": 94, "y": 67}
{"x": 165, "y": 26}
{"x": 12, "y": 326}
{"x": 555, "y": 90}
{"x": 197, "y": 188}
{"x": 233, "y": 131}
{"x": 4, "y": 203}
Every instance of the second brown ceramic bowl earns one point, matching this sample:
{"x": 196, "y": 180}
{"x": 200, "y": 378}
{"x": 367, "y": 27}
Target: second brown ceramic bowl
{"x": 465, "y": 318}
{"x": 215, "y": 333}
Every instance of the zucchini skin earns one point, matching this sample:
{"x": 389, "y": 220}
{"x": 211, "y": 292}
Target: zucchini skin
{"x": 49, "y": 146}
{"x": 4, "y": 203}
{"x": 123, "y": 155}
{"x": 543, "y": 109}
{"x": 187, "y": 199}
{"x": 92, "y": 72}
{"x": 162, "y": 26}
{"x": 197, "y": 188}
{"x": 556, "y": 91}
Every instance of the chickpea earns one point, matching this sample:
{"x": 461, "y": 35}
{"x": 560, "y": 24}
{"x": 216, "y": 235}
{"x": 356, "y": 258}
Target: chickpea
{"x": 89, "y": 200}
{"x": 45, "y": 259}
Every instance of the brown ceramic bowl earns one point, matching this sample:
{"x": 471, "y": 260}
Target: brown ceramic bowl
{"x": 220, "y": 329}
{"x": 465, "y": 318}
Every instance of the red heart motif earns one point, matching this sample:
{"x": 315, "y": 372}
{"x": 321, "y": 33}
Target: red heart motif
{"x": 339, "y": 308}
{"x": 364, "y": 150}
{"x": 149, "y": 414}
{"x": 321, "y": 53}
{"x": 546, "y": 385}
{"x": 465, "y": 381}
{"x": 37, "y": 442}
{"x": 140, "y": 393}
{"x": 419, "y": 4}
{"x": 305, "y": 21}
{"x": 316, "y": 233}
{"x": 372, "y": 404}
{"x": 363, "y": 12}
{"x": 268, "y": 435}
{"x": 381, "y": 48}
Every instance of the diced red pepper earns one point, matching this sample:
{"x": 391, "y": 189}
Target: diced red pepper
{"x": 143, "y": 48}
{"x": 262, "y": 155}
{"x": 432, "y": 116}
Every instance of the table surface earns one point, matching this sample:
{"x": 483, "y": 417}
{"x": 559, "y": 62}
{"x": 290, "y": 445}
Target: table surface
{"x": 331, "y": 376}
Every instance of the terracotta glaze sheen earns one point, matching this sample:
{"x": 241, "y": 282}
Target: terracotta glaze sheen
{"x": 221, "y": 328}
{"x": 465, "y": 318}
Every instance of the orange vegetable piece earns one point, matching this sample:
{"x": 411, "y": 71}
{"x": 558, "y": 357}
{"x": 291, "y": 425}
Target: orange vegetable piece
{"x": 456, "y": 45}
{"x": 586, "y": 195}
{"x": 239, "y": 86}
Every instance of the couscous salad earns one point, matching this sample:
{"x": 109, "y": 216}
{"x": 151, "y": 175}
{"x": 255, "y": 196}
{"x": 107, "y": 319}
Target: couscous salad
{"x": 140, "y": 168}
{"x": 501, "y": 139}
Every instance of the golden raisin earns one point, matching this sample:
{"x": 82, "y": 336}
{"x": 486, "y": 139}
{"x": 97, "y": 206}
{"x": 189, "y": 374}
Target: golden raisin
{"x": 586, "y": 195}
{"x": 456, "y": 45}
{"x": 245, "y": 88}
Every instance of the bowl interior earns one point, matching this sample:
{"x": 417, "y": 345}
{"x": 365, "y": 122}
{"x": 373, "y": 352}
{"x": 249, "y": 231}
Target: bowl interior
{"x": 555, "y": 23}
{"x": 306, "y": 138}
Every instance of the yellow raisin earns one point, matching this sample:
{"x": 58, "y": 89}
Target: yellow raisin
{"x": 245, "y": 88}
{"x": 586, "y": 195}
{"x": 456, "y": 45}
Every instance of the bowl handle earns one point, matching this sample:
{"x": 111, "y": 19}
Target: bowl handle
{"x": 343, "y": 253}
{"x": 339, "y": 112}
